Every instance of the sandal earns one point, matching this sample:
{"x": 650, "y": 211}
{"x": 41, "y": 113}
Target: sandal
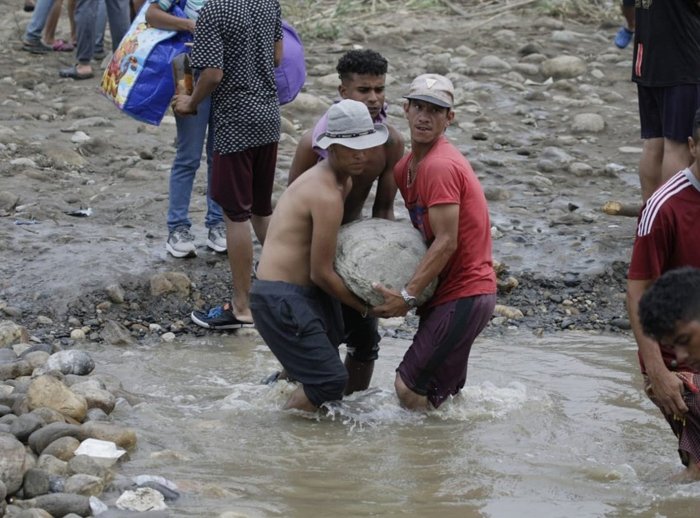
{"x": 62, "y": 46}
{"x": 73, "y": 73}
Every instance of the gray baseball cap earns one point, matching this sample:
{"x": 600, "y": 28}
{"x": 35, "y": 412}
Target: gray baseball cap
{"x": 432, "y": 88}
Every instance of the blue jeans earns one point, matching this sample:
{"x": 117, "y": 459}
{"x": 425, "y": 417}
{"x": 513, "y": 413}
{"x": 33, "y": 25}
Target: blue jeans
{"x": 36, "y": 25}
{"x": 191, "y": 133}
{"x": 100, "y": 26}
{"x": 119, "y": 18}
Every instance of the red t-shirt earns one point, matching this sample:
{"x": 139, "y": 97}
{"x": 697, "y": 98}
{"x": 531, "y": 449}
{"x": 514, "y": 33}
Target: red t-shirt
{"x": 445, "y": 177}
{"x": 668, "y": 234}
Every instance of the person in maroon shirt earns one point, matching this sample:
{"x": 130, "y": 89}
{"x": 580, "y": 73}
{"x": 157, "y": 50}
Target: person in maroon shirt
{"x": 668, "y": 233}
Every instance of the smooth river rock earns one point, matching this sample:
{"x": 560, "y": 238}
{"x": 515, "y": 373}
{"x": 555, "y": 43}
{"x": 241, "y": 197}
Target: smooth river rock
{"x": 379, "y": 250}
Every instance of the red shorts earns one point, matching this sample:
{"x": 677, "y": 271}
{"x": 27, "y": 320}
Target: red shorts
{"x": 242, "y": 182}
{"x": 436, "y": 363}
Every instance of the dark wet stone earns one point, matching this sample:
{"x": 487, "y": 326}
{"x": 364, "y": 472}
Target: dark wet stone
{"x": 49, "y": 433}
{"x": 621, "y": 323}
{"x": 59, "y": 504}
{"x": 25, "y": 425}
{"x": 36, "y": 482}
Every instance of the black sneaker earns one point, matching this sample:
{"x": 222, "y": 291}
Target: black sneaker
{"x": 219, "y": 317}
{"x": 36, "y": 47}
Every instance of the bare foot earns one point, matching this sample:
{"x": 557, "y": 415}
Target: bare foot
{"x": 689, "y": 474}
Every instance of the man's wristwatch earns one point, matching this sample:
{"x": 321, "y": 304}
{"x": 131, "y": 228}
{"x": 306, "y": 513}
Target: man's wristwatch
{"x": 409, "y": 299}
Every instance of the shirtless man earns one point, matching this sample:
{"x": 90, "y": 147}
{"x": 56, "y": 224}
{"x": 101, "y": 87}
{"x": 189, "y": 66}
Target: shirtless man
{"x": 294, "y": 299}
{"x": 362, "y": 76}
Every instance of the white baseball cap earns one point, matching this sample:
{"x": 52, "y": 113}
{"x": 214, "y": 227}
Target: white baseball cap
{"x": 351, "y": 125}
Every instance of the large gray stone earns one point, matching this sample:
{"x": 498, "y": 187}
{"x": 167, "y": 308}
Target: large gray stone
{"x": 12, "y": 462}
{"x": 379, "y": 250}
{"x": 70, "y": 362}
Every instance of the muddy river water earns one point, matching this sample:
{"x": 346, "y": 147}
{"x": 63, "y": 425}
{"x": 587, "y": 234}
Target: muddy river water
{"x": 546, "y": 427}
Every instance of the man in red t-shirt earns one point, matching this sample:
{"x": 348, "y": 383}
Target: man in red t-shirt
{"x": 447, "y": 204}
{"x": 668, "y": 237}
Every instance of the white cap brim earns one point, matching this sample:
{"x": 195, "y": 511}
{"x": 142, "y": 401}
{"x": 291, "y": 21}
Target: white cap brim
{"x": 379, "y": 137}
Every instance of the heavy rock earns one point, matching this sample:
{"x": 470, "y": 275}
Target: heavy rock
{"x": 379, "y": 250}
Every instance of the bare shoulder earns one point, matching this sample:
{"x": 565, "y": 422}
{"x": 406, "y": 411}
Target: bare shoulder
{"x": 395, "y": 142}
{"x": 320, "y": 186}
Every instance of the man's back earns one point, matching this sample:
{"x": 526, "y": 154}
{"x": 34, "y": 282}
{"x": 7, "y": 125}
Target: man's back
{"x": 286, "y": 255}
{"x": 238, "y": 37}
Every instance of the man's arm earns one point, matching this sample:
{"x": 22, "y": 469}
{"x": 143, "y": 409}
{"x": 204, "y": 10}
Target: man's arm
{"x": 668, "y": 389}
{"x": 208, "y": 81}
{"x": 158, "y": 18}
{"x": 326, "y": 215}
{"x": 279, "y": 48}
{"x": 304, "y": 157}
{"x": 444, "y": 221}
{"x": 386, "y": 185}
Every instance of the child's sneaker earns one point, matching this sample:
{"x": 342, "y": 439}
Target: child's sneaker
{"x": 623, "y": 37}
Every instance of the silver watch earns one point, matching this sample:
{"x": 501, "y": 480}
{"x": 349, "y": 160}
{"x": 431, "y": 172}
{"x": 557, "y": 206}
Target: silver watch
{"x": 409, "y": 299}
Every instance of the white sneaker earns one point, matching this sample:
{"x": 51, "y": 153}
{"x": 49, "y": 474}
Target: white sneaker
{"x": 180, "y": 243}
{"x": 216, "y": 240}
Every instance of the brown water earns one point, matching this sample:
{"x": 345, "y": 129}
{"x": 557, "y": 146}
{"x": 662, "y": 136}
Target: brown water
{"x": 546, "y": 427}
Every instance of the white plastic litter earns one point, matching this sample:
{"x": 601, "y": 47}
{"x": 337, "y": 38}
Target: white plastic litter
{"x": 99, "y": 449}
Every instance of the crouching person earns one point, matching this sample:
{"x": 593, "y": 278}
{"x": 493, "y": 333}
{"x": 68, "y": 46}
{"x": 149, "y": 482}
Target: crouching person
{"x": 669, "y": 313}
{"x": 296, "y": 297}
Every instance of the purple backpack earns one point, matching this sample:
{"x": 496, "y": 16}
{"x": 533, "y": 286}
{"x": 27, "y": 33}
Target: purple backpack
{"x": 291, "y": 73}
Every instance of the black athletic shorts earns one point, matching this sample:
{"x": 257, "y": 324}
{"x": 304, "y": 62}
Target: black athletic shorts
{"x": 302, "y": 326}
